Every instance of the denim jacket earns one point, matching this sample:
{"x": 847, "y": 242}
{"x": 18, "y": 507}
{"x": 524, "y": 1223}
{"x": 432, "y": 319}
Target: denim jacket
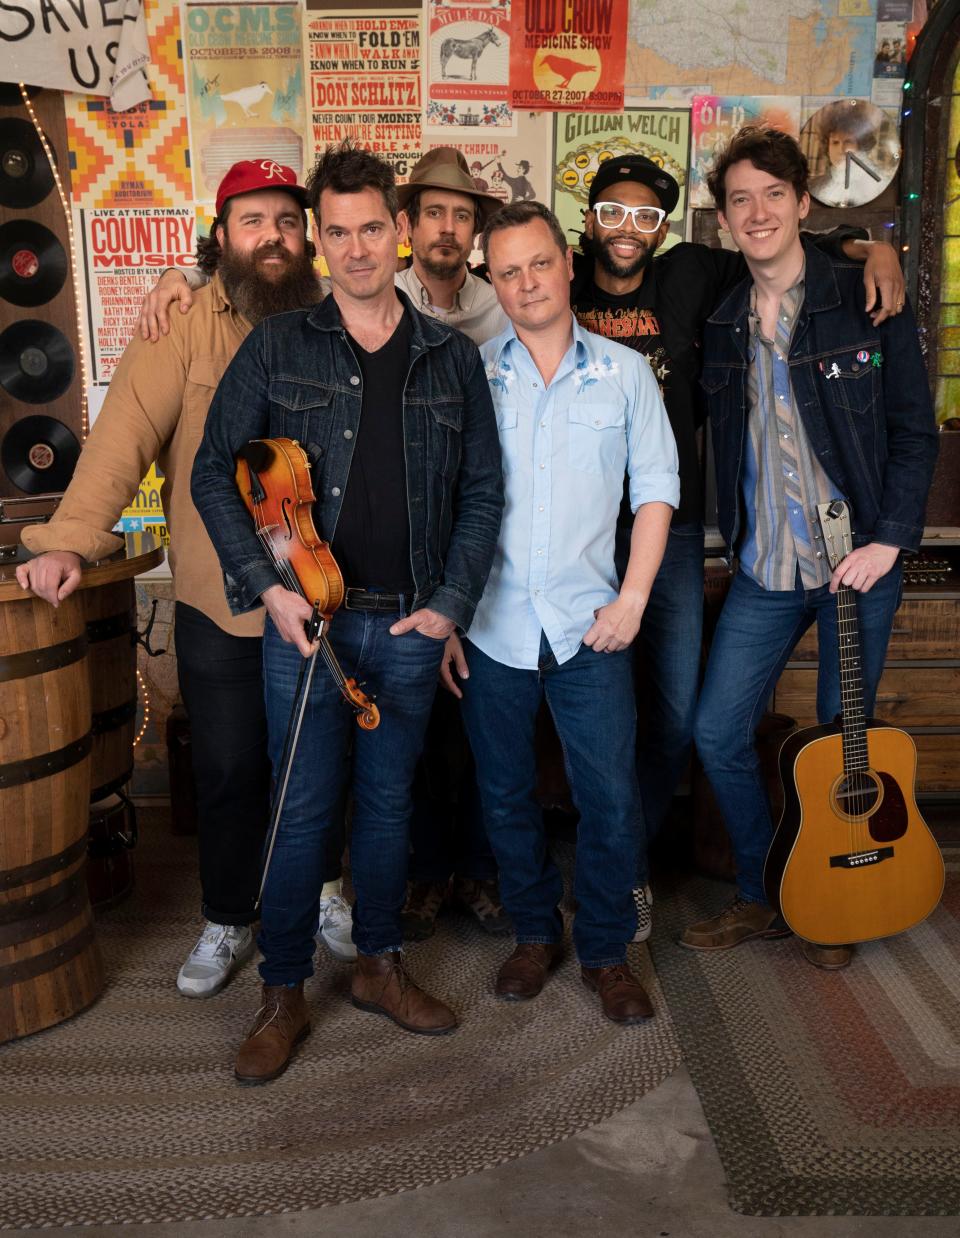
{"x": 296, "y": 376}
{"x": 862, "y": 392}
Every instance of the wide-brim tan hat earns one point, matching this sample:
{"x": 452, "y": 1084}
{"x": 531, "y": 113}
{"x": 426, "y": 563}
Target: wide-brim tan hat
{"x": 445, "y": 168}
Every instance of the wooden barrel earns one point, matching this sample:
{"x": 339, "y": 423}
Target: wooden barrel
{"x": 110, "y": 615}
{"x": 49, "y": 962}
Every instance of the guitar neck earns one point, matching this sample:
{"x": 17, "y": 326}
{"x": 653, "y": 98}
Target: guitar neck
{"x": 851, "y": 682}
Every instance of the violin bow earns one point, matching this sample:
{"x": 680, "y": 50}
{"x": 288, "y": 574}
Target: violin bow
{"x": 314, "y": 630}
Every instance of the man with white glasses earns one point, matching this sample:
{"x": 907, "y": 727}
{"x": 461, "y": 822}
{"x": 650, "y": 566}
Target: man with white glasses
{"x": 659, "y": 308}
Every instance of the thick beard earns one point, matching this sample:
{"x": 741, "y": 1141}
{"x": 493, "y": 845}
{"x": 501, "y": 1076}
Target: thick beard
{"x": 599, "y": 252}
{"x": 257, "y": 296}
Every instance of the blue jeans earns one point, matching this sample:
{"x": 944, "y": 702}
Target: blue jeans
{"x": 670, "y": 637}
{"x": 447, "y": 835}
{"x": 755, "y": 636}
{"x": 592, "y": 703}
{"x": 402, "y": 672}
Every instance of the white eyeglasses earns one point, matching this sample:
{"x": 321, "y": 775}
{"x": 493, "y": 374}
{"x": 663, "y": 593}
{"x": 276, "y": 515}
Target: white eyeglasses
{"x": 613, "y": 214}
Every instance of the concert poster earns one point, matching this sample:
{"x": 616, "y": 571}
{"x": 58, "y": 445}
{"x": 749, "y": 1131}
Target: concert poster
{"x": 568, "y": 57}
{"x": 125, "y": 251}
{"x": 716, "y": 118}
{"x": 245, "y": 87}
{"x": 583, "y": 141}
{"x": 466, "y": 67}
{"x": 364, "y": 75}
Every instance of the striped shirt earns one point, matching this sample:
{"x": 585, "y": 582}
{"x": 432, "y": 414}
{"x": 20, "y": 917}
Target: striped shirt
{"x": 783, "y": 481}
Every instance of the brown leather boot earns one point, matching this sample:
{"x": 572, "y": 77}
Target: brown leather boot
{"x": 382, "y": 986}
{"x": 524, "y": 973}
{"x": 280, "y": 1024}
{"x": 622, "y": 996}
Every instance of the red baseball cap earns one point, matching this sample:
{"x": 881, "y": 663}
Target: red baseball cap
{"x": 249, "y": 175}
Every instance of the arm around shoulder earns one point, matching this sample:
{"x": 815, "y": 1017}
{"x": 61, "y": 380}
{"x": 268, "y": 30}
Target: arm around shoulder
{"x": 479, "y": 499}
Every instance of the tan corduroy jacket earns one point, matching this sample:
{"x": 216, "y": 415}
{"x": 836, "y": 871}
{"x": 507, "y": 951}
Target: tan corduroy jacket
{"x": 155, "y": 410}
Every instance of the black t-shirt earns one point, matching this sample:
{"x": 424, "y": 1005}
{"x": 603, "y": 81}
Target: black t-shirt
{"x": 372, "y": 539}
{"x": 663, "y": 319}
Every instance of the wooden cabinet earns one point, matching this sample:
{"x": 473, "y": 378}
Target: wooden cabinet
{"x": 920, "y": 687}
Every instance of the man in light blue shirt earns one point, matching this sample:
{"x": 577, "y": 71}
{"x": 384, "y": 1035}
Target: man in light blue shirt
{"x": 575, "y": 411}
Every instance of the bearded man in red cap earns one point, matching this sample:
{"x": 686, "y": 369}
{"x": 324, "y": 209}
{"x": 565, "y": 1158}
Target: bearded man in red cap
{"x": 261, "y": 263}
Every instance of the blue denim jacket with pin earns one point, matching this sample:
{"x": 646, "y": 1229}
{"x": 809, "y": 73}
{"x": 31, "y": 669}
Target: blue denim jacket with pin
{"x": 862, "y": 393}
{"x": 296, "y": 376}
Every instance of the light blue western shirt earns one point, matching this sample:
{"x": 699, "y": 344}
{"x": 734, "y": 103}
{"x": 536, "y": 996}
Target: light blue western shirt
{"x": 565, "y": 450}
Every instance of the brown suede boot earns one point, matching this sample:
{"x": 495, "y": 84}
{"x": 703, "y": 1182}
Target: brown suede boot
{"x": 280, "y": 1024}
{"x": 382, "y": 986}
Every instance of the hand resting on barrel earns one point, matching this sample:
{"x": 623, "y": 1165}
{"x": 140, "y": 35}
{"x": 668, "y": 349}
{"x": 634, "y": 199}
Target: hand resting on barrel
{"x": 52, "y": 576}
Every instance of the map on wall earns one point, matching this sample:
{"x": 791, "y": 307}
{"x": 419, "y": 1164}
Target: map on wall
{"x": 751, "y": 47}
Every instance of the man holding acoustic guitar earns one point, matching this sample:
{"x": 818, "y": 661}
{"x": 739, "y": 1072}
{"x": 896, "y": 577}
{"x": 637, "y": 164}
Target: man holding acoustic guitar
{"x": 809, "y": 403}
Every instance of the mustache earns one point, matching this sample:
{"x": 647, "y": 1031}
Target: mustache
{"x": 272, "y": 249}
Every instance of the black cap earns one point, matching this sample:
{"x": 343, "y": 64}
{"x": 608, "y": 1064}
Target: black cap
{"x": 636, "y": 168}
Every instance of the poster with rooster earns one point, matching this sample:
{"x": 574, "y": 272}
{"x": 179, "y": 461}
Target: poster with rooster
{"x": 245, "y": 87}
{"x": 568, "y": 57}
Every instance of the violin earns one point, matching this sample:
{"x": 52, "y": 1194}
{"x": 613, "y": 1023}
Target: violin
{"x": 273, "y": 476}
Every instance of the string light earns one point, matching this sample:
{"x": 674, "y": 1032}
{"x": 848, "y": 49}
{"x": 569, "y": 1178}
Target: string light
{"x": 68, "y": 216}
{"x": 145, "y": 698}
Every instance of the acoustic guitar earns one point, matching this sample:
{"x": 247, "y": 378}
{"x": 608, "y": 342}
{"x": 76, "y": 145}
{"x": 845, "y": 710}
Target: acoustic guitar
{"x": 852, "y": 859}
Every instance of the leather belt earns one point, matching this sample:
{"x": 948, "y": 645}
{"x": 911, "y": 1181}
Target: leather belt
{"x": 364, "y": 599}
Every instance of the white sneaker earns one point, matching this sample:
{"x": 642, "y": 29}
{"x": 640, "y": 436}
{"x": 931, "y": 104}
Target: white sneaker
{"x": 643, "y": 901}
{"x": 220, "y": 950}
{"x": 335, "y": 926}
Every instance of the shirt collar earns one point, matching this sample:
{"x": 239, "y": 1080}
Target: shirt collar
{"x": 790, "y": 303}
{"x": 508, "y": 337}
{"x": 462, "y": 300}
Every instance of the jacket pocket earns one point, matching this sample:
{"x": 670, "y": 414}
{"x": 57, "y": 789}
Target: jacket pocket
{"x": 849, "y": 382}
{"x": 597, "y": 436}
{"x": 715, "y": 383}
{"x": 302, "y": 407}
{"x": 447, "y": 414}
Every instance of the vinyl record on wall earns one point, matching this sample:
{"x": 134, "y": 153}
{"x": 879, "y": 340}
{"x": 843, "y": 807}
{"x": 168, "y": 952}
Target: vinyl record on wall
{"x": 25, "y": 176}
{"x": 36, "y": 361}
{"x": 39, "y": 455}
{"x": 33, "y": 263}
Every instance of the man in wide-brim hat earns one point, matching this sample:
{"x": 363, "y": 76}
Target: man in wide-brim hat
{"x": 443, "y": 211}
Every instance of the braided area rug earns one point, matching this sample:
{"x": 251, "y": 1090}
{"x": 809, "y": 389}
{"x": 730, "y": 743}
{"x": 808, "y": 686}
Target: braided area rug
{"x": 827, "y": 1093}
{"x": 129, "y": 1112}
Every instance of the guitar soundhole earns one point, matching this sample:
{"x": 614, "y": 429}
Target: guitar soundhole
{"x": 857, "y": 794}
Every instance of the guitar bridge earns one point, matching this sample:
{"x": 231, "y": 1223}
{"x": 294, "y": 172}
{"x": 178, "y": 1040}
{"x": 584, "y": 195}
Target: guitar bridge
{"x": 860, "y": 859}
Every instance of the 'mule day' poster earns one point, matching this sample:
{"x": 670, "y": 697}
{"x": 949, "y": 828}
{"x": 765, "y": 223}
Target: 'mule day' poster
{"x": 568, "y": 55}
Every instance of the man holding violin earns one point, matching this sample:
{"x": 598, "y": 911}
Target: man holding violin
{"x": 260, "y": 262}
{"x": 395, "y": 413}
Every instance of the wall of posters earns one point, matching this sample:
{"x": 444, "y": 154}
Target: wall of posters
{"x": 467, "y": 67}
{"x": 124, "y": 253}
{"x": 365, "y": 84}
{"x": 245, "y": 97}
{"x": 568, "y": 57}
{"x": 583, "y": 142}
{"x": 716, "y": 118}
